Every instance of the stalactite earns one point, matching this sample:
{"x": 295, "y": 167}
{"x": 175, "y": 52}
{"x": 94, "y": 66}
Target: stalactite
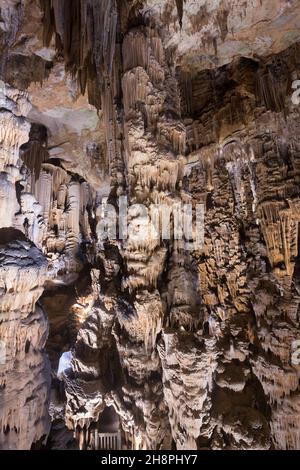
{"x": 271, "y": 90}
{"x": 33, "y": 159}
{"x": 86, "y": 35}
{"x": 179, "y": 6}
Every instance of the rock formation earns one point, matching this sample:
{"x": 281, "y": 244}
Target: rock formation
{"x": 153, "y": 104}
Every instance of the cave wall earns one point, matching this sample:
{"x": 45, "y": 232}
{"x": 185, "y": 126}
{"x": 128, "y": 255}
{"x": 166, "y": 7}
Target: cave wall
{"x": 164, "y": 103}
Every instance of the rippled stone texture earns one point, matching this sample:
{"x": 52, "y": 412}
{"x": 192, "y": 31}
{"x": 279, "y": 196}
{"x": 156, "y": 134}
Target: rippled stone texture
{"x": 164, "y": 102}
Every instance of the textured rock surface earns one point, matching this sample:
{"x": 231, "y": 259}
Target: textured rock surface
{"x": 162, "y": 102}
{"x": 25, "y": 377}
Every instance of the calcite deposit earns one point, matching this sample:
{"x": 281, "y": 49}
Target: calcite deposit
{"x": 149, "y": 341}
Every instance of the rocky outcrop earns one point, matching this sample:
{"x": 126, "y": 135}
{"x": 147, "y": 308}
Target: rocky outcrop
{"x": 24, "y": 369}
{"x": 25, "y": 372}
{"x": 153, "y": 104}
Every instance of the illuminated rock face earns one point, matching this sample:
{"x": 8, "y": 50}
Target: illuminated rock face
{"x": 161, "y": 102}
{"x": 24, "y": 369}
